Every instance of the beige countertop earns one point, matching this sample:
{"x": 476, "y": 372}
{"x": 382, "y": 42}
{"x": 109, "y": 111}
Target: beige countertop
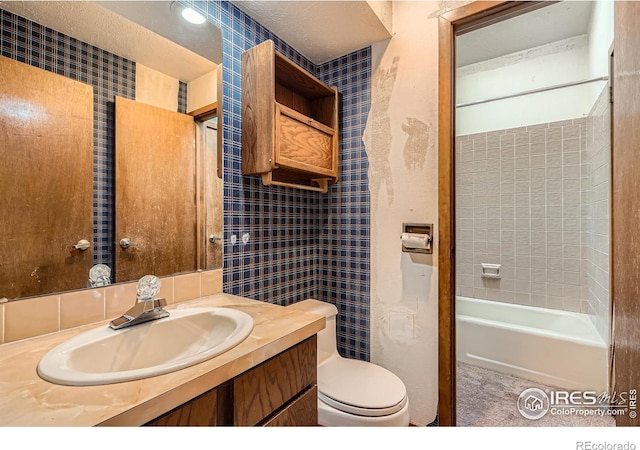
{"x": 27, "y": 400}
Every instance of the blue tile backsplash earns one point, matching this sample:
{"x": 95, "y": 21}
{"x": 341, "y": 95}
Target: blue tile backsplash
{"x": 302, "y": 244}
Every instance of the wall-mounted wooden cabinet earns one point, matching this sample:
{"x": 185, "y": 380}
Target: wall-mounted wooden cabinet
{"x": 289, "y": 122}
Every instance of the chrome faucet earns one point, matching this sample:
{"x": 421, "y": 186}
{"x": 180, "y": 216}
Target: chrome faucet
{"x": 146, "y": 308}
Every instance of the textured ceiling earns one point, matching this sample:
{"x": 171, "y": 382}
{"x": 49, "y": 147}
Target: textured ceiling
{"x": 92, "y": 23}
{"x": 320, "y": 30}
{"x": 549, "y": 24}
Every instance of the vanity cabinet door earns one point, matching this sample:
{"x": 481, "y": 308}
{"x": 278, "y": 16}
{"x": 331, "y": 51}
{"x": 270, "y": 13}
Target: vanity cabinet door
{"x": 270, "y": 387}
{"x": 281, "y": 391}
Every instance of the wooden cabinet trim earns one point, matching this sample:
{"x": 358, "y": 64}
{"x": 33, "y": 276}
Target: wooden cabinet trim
{"x": 258, "y": 109}
{"x": 309, "y": 121}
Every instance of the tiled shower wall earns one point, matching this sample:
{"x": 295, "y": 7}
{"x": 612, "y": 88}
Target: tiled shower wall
{"x": 536, "y": 201}
{"x": 518, "y": 203}
{"x": 302, "y": 244}
{"x": 597, "y": 204}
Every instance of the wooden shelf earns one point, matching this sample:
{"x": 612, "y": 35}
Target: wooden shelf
{"x": 289, "y": 122}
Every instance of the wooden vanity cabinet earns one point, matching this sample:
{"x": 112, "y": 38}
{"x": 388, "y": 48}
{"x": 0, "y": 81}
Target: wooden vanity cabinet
{"x": 208, "y": 409}
{"x": 281, "y": 391}
{"x": 289, "y": 122}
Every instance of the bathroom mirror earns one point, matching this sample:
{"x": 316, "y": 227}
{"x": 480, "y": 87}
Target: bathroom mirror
{"x": 143, "y": 52}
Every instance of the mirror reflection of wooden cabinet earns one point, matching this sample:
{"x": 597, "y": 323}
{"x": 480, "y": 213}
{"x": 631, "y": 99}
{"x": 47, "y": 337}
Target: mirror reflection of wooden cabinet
{"x": 108, "y": 63}
{"x": 289, "y": 122}
{"x": 155, "y": 191}
{"x": 211, "y": 194}
{"x": 46, "y": 181}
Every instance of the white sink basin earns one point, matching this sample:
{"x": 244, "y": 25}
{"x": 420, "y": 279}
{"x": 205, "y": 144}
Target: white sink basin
{"x": 187, "y": 337}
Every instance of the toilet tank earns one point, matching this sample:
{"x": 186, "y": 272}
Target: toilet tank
{"x": 327, "y": 337}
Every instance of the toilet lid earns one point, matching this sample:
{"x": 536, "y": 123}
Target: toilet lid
{"x": 359, "y": 387}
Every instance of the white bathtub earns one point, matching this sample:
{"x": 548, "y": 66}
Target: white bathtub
{"x": 548, "y": 346}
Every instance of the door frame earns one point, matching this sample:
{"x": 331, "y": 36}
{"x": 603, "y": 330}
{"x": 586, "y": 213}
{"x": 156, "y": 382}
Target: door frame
{"x": 450, "y": 24}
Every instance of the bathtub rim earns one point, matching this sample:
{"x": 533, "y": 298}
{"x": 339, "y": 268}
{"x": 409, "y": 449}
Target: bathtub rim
{"x": 596, "y": 340}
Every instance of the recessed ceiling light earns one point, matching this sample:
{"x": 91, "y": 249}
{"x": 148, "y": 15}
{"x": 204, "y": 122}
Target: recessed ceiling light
{"x": 192, "y": 16}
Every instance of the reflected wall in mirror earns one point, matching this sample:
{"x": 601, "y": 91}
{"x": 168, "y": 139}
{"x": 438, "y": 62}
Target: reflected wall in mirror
{"x": 154, "y": 62}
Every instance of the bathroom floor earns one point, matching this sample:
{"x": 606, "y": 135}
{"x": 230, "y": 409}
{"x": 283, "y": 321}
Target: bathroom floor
{"x": 486, "y": 398}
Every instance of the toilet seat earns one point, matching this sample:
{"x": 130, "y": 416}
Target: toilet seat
{"x": 360, "y": 388}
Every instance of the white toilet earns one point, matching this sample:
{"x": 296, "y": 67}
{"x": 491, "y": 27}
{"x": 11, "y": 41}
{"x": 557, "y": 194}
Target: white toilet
{"x": 351, "y": 392}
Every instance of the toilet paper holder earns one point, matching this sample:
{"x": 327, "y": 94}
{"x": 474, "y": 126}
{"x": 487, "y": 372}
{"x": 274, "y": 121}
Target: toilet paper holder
{"x": 419, "y": 234}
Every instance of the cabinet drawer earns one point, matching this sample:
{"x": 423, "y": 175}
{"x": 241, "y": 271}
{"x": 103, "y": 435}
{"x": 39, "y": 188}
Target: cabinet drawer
{"x": 209, "y": 409}
{"x": 304, "y": 144}
{"x": 266, "y": 388}
{"x": 301, "y": 412}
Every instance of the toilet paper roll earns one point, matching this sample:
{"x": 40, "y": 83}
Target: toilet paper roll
{"x": 413, "y": 240}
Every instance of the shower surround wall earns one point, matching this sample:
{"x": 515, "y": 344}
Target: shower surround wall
{"x": 302, "y": 244}
{"x": 535, "y": 199}
{"x": 518, "y": 197}
{"x": 597, "y": 187}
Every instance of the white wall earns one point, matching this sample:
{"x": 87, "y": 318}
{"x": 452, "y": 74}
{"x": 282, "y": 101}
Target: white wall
{"x": 556, "y": 63}
{"x": 401, "y": 143}
{"x": 384, "y": 10}
{"x": 156, "y": 89}
{"x": 202, "y": 91}
{"x": 600, "y": 40}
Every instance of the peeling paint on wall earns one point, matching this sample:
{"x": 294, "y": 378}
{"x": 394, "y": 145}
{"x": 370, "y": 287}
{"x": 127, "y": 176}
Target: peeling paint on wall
{"x": 418, "y": 143}
{"x": 445, "y": 6}
{"x": 401, "y": 144}
{"x": 378, "y": 132}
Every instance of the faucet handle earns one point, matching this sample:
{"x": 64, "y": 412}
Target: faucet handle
{"x": 99, "y": 275}
{"x": 148, "y": 287}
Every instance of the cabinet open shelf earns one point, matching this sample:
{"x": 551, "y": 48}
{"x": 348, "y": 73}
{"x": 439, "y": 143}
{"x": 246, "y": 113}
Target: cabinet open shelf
{"x": 289, "y": 122}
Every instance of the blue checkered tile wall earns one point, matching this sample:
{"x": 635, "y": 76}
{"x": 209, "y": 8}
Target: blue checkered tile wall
{"x": 110, "y": 75}
{"x": 182, "y": 97}
{"x": 302, "y": 244}
{"x": 346, "y": 210}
